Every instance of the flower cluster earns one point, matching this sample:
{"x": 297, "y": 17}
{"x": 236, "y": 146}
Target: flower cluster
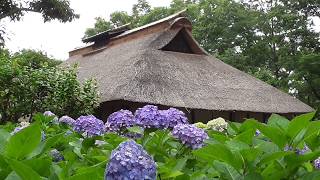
{"x": 56, "y": 155}
{"x": 119, "y": 120}
{"x": 316, "y": 163}
{"x": 67, "y": 120}
{"x": 190, "y": 135}
{"x": 51, "y": 114}
{"x": 201, "y": 125}
{"x": 218, "y": 124}
{"x": 89, "y": 125}
{"x": 130, "y": 161}
{"x": 296, "y": 150}
{"x": 150, "y": 117}
{"x": 257, "y": 133}
{"x": 303, "y": 150}
{"x": 173, "y": 116}
{"x": 19, "y": 128}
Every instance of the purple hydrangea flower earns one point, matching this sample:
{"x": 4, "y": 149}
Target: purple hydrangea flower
{"x": 173, "y": 117}
{"x": 56, "y": 155}
{"x": 288, "y": 148}
{"x": 49, "y": 113}
{"x": 316, "y": 163}
{"x": 17, "y": 129}
{"x": 67, "y": 120}
{"x": 150, "y": 117}
{"x": 257, "y": 133}
{"x": 302, "y": 151}
{"x": 190, "y": 135}
{"x": 89, "y": 126}
{"x": 119, "y": 120}
{"x": 130, "y": 161}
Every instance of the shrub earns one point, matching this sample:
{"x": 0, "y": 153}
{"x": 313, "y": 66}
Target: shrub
{"x": 31, "y": 82}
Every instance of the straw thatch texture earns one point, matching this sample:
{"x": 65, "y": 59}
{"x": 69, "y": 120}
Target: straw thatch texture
{"x": 138, "y": 71}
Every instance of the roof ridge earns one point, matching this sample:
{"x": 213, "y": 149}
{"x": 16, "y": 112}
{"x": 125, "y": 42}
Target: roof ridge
{"x": 168, "y": 18}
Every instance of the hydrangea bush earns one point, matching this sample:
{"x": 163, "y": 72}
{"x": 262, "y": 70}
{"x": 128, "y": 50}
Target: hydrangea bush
{"x": 172, "y": 149}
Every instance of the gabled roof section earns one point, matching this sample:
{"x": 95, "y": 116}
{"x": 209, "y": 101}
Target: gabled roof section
{"x": 123, "y": 34}
{"x": 107, "y": 34}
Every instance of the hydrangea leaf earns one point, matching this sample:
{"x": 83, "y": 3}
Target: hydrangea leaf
{"x": 41, "y": 166}
{"x": 25, "y": 172}
{"x": 220, "y": 152}
{"x": 275, "y": 134}
{"x": 278, "y": 121}
{"x": 226, "y": 170}
{"x": 24, "y": 142}
{"x": 4, "y": 136}
{"x": 273, "y": 156}
{"x": 299, "y": 123}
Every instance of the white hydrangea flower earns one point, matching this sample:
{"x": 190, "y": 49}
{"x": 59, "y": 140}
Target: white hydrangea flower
{"x": 201, "y": 125}
{"x": 24, "y": 124}
{"x": 218, "y": 124}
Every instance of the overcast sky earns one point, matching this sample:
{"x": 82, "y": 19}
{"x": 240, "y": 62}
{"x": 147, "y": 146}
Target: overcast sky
{"x": 57, "y": 39}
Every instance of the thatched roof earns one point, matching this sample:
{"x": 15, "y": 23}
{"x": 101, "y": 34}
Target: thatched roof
{"x": 139, "y": 65}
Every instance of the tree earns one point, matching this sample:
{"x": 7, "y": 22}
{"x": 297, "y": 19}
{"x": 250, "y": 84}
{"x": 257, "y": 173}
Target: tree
{"x": 31, "y": 82}
{"x": 99, "y": 26}
{"x": 49, "y": 9}
{"x": 305, "y": 81}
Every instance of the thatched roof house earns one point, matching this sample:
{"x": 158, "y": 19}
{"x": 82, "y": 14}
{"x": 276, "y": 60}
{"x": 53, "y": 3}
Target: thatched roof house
{"x": 161, "y": 63}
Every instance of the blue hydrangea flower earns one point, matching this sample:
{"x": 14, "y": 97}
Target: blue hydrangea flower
{"x": 89, "y": 126}
{"x": 173, "y": 117}
{"x": 190, "y": 135}
{"x": 67, "y": 120}
{"x": 316, "y": 163}
{"x": 150, "y": 117}
{"x": 56, "y": 155}
{"x": 120, "y": 120}
{"x": 130, "y": 161}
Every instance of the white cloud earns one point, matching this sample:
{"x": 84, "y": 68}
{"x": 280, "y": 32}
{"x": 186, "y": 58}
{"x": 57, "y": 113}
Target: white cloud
{"x": 57, "y": 39}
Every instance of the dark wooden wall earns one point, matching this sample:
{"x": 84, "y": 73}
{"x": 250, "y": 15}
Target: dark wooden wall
{"x": 194, "y": 115}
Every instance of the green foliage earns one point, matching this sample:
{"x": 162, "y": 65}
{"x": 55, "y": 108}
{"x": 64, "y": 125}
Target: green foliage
{"x": 31, "y": 82}
{"x": 241, "y": 155}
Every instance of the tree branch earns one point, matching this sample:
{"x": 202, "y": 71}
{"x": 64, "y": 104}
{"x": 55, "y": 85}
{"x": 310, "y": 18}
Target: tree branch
{"x": 16, "y": 10}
